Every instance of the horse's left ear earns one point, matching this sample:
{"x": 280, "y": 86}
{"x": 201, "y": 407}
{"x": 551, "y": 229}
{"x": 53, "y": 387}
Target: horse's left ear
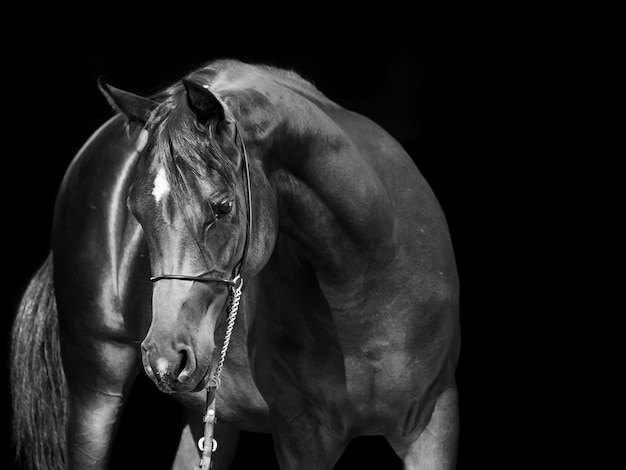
{"x": 203, "y": 102}
{"x": 136, "y": 108}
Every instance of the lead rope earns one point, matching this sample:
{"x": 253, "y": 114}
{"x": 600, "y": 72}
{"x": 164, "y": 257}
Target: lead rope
{"x": 208, "y": 444}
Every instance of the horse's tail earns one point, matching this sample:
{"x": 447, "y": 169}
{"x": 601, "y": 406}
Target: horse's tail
{"x": 38, "y": 386}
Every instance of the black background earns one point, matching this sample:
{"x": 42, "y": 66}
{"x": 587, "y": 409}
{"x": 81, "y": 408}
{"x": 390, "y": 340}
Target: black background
{"x": 438, "y": 92}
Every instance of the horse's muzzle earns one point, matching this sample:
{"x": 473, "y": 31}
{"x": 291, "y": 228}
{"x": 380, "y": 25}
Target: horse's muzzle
{"x": 173, "y": 369}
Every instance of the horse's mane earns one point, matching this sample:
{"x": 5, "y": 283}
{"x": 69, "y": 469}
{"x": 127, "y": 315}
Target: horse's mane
{"x": 286, "y": 73}
{"x": 178, "y": 139}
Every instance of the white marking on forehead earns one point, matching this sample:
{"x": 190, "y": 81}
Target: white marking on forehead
{"x": 161, "y": 185}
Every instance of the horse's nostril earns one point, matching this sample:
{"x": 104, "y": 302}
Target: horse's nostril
{"x": 183, "y": 373}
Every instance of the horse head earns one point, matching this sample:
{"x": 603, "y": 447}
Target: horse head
{"x": 191, "y": 194}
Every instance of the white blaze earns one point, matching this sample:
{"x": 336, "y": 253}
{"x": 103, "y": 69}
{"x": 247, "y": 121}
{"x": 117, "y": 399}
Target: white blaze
{"x": 161, "y": 185}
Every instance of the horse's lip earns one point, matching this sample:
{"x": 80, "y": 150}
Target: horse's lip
{"x": 204, "y": 379}
{"x": 164, "y": 387}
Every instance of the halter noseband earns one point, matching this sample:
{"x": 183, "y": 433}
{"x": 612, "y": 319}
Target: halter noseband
{"x": 200, "y": 278}
{"x": 236, "y": 279}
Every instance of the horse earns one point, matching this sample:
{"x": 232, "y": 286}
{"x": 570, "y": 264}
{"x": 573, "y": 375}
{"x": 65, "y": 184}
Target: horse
{"x": 242, "y": 178}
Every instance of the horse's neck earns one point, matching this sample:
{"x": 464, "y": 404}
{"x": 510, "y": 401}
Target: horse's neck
{"x": 331, "y": 202}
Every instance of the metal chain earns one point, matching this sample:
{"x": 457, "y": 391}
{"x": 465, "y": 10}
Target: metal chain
{"x": 233, "y": 308}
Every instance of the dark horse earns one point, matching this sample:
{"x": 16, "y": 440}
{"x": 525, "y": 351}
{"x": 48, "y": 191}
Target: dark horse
{"x": 348, "y": 323}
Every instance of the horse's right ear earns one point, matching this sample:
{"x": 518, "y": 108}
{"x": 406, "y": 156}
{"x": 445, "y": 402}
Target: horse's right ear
{"x": 136, "y": 108}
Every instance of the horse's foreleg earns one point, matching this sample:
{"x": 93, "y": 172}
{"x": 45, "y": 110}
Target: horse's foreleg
{"x": 99, "y": 375}
{"x": 435, "y": 447}
{"x": 302, "y": 442}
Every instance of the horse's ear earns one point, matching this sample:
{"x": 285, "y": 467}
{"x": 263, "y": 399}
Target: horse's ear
{"x": 136, "y": 108}
{"x": 203, "y": 102}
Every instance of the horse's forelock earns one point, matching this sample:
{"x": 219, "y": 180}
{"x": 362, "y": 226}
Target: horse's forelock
{"x": 186, "y": 150}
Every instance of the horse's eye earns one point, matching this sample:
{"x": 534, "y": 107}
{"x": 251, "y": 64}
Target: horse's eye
{"x": 224, "y": 208}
